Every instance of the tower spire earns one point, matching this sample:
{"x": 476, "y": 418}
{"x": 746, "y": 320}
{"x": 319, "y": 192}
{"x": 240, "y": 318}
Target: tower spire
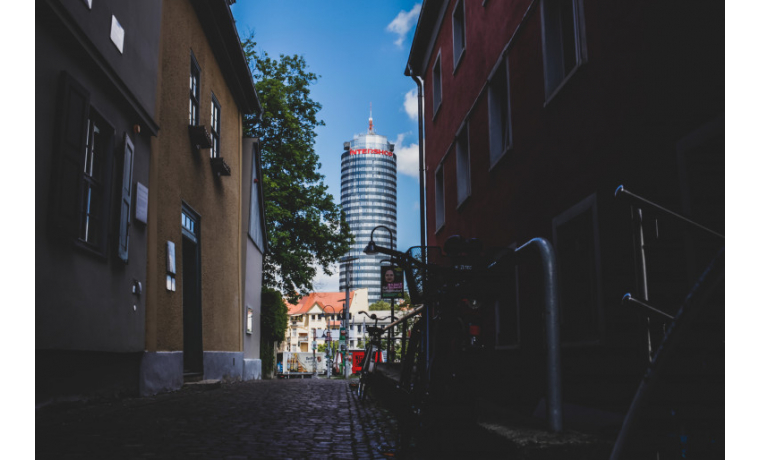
{"x": 371, "y": 125}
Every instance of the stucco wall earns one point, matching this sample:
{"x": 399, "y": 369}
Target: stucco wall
{"x": 82, "y": 301}
{"x": 185, "y": 176}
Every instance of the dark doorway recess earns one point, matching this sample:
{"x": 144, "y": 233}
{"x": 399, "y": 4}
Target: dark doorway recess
{"x": 192, "y": 316}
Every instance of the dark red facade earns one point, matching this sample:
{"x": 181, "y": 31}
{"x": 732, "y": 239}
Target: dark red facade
{"x": 643, "y": 107}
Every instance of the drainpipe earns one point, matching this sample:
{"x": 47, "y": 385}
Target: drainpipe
{"x": 421, "y": 143}
{"x": 551, "y": 300}
{"x": 423, "y": 228}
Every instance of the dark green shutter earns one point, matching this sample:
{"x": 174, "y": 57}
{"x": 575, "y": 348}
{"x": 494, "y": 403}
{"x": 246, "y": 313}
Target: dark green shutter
{"x": 126, "y": 199}
{"x": 69, "y": 151}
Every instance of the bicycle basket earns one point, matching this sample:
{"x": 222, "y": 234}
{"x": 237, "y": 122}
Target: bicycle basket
{"x": 418, "y": 272}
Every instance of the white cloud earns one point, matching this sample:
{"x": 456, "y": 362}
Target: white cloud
{"x": 403, "y": 22}
{"x": 325, "y": 283}
{"x": 407, "y": 157}
{"x": 410, "y": 104}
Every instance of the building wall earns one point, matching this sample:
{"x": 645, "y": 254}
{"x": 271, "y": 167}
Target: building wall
{"x": 651, "y": 81}
{"x": 89, "y": 326}
{"x": 185, "y": 176}
{"x": 252, "y": 257}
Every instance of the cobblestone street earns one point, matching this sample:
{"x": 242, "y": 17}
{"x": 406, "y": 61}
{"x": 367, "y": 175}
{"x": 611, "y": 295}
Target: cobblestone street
{"x": 311, "y": 418}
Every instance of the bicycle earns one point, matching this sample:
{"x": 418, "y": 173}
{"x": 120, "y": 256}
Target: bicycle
{"x": 439, "y": 363}
{"x": 372, "y": 348}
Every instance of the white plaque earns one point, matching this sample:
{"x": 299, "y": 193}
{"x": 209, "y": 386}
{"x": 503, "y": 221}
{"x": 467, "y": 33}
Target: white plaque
{"x": 141, "y": 210}
{"x": 171, "y": 265}
{"x": 117, "y": 34}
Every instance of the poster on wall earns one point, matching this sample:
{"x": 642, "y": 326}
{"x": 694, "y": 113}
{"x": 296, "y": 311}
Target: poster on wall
{"x": 391, "y": 282}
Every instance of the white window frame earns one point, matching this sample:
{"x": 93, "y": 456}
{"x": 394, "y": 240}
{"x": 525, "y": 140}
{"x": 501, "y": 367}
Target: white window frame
{"x": 456, "y": 33}
{"x": 437, "y": 86}
{"x": 440, "y": 203}
{"x": 498, "y": 146}
{"x": 464, "y": 181}
{"x": 552, "y": 87}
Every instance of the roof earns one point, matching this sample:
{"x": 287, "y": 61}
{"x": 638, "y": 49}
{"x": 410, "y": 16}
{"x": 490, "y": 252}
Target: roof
{"x": 219, "y": 25}
{"x": 333, "y": 301}
{"x": 428, "y": 23}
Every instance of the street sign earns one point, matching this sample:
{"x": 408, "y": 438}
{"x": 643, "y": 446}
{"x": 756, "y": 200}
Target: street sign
{"x": 314, "y": 345}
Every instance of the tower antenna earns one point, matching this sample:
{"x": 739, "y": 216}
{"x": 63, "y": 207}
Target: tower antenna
{"x": 371, "y": 124}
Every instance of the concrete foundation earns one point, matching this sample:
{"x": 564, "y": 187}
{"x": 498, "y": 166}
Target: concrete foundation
{"x": 252, "y": 369}
{"x": 223, "y": 365}
{"x": 161, "y": 371}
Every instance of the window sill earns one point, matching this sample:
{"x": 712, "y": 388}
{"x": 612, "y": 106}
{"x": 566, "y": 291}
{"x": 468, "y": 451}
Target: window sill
{"x": 563, "y": 83}
{"x": 464, "y": 202}
{"x": 436, "y": 111}
{"x": 501, "y": 157}
{"x": 458, "y": 60}
{"x": 219, "y": 167}
{"x": 100, "y": 255}
{"x": 199, "y": 136}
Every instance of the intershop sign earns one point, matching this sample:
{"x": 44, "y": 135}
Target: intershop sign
{"x": 368, "y": 151}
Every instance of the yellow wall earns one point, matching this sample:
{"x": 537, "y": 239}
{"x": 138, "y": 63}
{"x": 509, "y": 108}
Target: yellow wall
{"x": 180, "y": 174}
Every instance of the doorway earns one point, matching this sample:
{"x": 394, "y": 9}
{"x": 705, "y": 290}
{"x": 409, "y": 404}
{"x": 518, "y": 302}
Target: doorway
{"x": 192, "y": 318}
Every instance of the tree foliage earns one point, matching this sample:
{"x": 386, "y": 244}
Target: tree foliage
{"x": 274, "y": 323}
{"x": 380, "y": 305}
{"x": 306, "y": 229}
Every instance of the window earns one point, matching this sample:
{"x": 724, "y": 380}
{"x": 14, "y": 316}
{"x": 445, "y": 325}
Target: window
{"x": 249, "y": 321}
{"x": 437, "y": 91}
{"x": 195, "y": 91}
{"x": 216, "y": 114}
{"x": 463, "y": 164}
{"x": 440, "y": 217}
{"x": 563, "y": 41}
{"x": 255, "y": 219}
{"x": 499, "y": 120}
{"x": 576, "y": 241}
{"x": 458, "y": 32}
{"x": 91, "y": 217}
{"x": 81, "y": 182}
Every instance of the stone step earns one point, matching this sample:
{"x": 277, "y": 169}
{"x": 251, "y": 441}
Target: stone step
{"x": 203, "y": 385}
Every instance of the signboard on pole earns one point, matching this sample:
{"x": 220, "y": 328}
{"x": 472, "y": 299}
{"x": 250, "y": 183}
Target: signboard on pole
{"x": 391, "y": 282}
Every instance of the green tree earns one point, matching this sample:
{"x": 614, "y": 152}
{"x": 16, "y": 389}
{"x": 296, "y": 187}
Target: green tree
{"x": 380, "y": 305}
{"x": 306, "y": 229}
{"x": 274, "y": 323}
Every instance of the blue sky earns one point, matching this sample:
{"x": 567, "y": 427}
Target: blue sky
{"x": 359, "y": 49}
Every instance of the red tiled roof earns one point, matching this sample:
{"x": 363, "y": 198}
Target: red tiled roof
{"x": 332, "y": 300}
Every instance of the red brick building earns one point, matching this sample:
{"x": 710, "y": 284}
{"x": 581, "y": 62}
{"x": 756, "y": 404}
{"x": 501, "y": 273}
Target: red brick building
{"x": 534, "y": 112}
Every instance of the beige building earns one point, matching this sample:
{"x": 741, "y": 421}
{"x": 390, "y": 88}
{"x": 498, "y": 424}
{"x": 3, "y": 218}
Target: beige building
{"x": 319, "y": 312}
{"x": 197, "y": 320}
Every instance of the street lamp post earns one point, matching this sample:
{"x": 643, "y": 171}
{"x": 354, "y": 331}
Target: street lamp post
{"x": 391, "y": 347}
{"x": 346, "y": 306}
{"x": 328, "y": 340}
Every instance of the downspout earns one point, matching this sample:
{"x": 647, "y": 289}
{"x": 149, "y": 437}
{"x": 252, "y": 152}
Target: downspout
{"x": 421, "y": 141}
{"x": 423, "y": 228}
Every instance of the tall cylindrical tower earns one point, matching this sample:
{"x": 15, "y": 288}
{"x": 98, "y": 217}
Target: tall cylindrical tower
{"x": 368, "y": 195}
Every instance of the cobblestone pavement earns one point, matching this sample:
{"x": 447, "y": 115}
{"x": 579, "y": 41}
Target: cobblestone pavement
{"x": 310, "y": 418}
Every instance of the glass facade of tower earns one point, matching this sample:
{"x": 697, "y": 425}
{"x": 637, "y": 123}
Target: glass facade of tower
{"x": 368, "y": 195}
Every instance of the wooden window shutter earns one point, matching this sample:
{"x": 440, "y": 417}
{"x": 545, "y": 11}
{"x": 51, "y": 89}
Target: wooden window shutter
{"x": 126, "y": 199}
{"x": 71, "y": 136}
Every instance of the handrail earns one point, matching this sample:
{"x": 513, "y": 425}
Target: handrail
{"x": 628, "y": 298}
{"x": 404, "y": 318}
{"x": 621, "y": 192}
{"x": 551, "y": 305}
